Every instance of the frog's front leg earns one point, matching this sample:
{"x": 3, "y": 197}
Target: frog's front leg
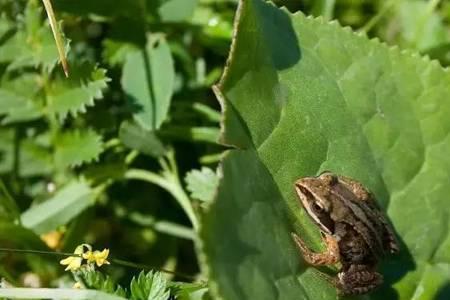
{"x": 329, "y": 257}
{"x": 358, "y": 279}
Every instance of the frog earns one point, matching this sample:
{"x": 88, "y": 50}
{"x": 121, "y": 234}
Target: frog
{"x": 354, "y": 229}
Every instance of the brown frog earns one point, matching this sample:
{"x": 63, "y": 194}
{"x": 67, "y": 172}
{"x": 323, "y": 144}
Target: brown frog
{"x": 354, "y": 229}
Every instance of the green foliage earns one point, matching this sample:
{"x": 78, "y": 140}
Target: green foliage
{"x": 148, "y": 81}
{"x": 202, "y": 184}
{"x": 32, "y": 45}
{"x": 140, "y": 139}
{"x": 301, "y": 96}
{"x": 74, "y": 96}
{"x": 60, "y": 209}
{"x": 99, "y": 157}
{"x": 96, "y": 280}
{"x": 76, "y": 147}
{"x": 149, "y": 286}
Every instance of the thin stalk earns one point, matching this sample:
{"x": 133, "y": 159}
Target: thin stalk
{"x": 117, "y": 261}
{"x": 171, "y": 184}
{"x": 57, "y": 36}
{"x": 375, "y": 19}
{"x": 8, "y": 201}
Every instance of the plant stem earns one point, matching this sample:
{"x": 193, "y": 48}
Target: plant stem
{"x": 375, "y": 19}
{"x": 169, "y": 183}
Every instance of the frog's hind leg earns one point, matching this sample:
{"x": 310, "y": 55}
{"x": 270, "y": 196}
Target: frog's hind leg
{"x": 329, "y": 257}
{"x": 358, "y": 279}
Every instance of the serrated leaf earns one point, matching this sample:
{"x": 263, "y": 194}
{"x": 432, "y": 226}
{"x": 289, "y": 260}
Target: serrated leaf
{"x": 301, "y": 96}
{"x": 150, "y": 286}
{"x": 74, "y": 148}
{"x": 98, "y": 281}
{"x": 145, "y": 141}
{"x": 60, "y": 209}
{"x": 33, "y": 43}
{"x": 74, "y": 96}
{"x": 148, "y": 80}
{"x": 202, "y": 184}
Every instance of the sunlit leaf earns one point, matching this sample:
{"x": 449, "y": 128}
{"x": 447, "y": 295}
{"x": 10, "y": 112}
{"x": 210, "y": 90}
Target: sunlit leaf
{"x": 148, "y": 81}
{"x": 300, "y": 96}
{"x": 150, "y": 286}
{"x": 202, "y": 184}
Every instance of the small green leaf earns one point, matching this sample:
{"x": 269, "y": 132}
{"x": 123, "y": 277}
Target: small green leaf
{"x": 145, "y": 141}
{"x": 176, "y": 10}
{"x": 66, "y": 204}
{"x": 72, "y": 96}
{"x": 148, "y": 80}
{"x": 150, "y": 286}
{"x": 202, "y": 184}
{"x": 98, "y": 281}
{"x": 73, "y": 148}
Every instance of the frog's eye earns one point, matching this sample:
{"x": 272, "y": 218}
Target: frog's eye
{"x": 317, "y": 207}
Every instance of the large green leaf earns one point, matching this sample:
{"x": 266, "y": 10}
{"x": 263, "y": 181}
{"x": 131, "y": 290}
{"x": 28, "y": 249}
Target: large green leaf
{"x": 148, "y": 80}
{"x": 300, "y": 96}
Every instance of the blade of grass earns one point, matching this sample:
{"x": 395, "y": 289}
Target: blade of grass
{"x": 57, "y": 36}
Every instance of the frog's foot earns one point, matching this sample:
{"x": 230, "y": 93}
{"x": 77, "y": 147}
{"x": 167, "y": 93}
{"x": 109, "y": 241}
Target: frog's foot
{"x": 329, "y": 257}
{"x": 358, "y": 279}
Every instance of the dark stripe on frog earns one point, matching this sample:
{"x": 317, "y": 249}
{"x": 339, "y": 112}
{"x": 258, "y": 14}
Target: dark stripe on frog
{"x": 368, "y": 231}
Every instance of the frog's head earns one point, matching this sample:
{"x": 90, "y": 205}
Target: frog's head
{"x": 314, "y": 194}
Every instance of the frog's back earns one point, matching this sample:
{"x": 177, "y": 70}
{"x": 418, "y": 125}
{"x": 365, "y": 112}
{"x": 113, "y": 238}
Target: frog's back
{"x": 374, "y": 227}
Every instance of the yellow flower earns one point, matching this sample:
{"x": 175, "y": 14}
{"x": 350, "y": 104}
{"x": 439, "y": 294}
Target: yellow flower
{"x": 52, "y": 239}
{"x": 77, "y": 285}
{"x": 73, "y": 263}
{"x": 100, "y": 258}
